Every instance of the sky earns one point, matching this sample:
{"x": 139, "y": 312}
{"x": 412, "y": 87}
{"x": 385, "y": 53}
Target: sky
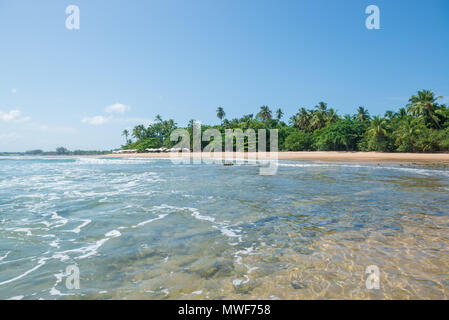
{"x": 132, "y": 60}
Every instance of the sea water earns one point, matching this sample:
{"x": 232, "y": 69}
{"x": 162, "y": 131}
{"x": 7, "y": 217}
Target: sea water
{"x": 151, "y": 229}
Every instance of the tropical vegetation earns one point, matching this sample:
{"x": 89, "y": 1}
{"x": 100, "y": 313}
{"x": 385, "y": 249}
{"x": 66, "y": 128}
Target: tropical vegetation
{"x": 420, "y": 126}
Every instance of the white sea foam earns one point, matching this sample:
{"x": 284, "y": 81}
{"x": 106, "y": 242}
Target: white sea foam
{"x": 53, "y": 290}
{"x": 54, "y": 243}
{"x": 78, "y": 229}
{"x": 165, "y": 291}
{"x": 161, "y": 216}
{"x": 4, "y": 256}
{"x": 60, "y": 221}
{"x": 197, "y": 292}
{"x": 113, "y": 234}
{"x": 223, "y": 227}
{"x": 238, "y": 282}
{"x": 197, "y": 215}
{"x": 238, "y": 260}
{"x": 40, "y": 263}
{"x": 420, "y": 171}
{"x": 114, "y": 161}
{"x": 24, "y": 230}
{"x": 92, "y": 249}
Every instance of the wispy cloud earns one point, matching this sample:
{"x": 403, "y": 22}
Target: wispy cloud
{"x": 117, "y": 108}
{"x": 13, "y": 116}
{"x": 95, "y": 121}
{"x": 101, "y": 120}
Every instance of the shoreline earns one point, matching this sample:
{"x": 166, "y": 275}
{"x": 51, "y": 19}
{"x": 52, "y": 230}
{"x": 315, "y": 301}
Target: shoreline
{"x": 329, "y": 156}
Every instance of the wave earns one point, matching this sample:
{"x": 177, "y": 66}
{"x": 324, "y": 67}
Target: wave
{"x": 421, "y": 171}
{"x": 114, "y": 161}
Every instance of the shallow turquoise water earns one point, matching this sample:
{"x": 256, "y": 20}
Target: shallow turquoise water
{"x": 146, "y": 228}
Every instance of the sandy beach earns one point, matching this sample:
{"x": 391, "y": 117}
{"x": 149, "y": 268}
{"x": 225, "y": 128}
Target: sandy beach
{"x": 425, "y": 158}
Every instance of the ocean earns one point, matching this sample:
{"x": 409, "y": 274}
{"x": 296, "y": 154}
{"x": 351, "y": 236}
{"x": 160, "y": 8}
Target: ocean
{"x": 151, "y": 229}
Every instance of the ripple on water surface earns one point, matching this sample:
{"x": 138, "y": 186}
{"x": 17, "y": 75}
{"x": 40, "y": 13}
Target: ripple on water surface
{"x": 146, "y": 228}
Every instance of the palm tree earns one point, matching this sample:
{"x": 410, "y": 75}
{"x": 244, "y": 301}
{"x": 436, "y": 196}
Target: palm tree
{"x": 318, "y": 120}
{"x": 139, "y": 132}
{"x": 362, "y": 114}
{"x": 125, "y": 133}
{"x": 332, "y": 116}
{"x": 377, "y": 129}
{"x": 279, "y": 114}
{"x": 321, "y": 107}
{"x": 246, "y": 118}
{"x": 424, "y": 105}
{"x": 158, "y": 118}
{"x": 320, "y": 116}
{"x": 265, "y": 113}
{"x": 402, "y": 113}
{"x": 389, "y": 114}
{"x": 406, "y": 134}
{"x": 302, "y": 119}
{"x": 220, "y": 113}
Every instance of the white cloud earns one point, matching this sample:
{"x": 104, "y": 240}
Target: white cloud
{"x": 9, "y": 116}
{"x": 13, "y": 116}
{"x": 117, "y": 108}
{"x": 14, "y": 90}
{"x": 96, "y": 121}
{"x": 100, "y": 120}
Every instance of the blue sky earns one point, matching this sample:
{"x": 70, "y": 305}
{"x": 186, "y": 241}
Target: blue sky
{"x": 183, "y": 59}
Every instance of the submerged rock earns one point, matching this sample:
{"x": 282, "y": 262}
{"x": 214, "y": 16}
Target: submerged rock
{"x": 297, "y": 284}
{"x": 221, "y": 268}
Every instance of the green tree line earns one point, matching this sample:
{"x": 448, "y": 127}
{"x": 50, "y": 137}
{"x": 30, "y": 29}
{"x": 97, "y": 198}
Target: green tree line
{"x": 420, "y": 126}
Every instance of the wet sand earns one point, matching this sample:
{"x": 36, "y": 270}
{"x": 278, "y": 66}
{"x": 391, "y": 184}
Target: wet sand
{"x": 427, "y": 158}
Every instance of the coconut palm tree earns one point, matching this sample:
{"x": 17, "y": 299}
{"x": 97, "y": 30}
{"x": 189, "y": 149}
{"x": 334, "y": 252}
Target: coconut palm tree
{"x": 301, "y": 120}
{"x": 139, "y": 132}
{"x": 377, "y": 129}
{"x": 331, "y": 116}
{"x": 389, "y": 114}
{"x": 402, "y": 113}
{"x": 318, "y": 120}
{"x": 125, "y": 134}
{"x": 321, "y": 107}
{"x": 220, "y": 113}
{"x": 265, "y": 113}
{"x": 424, "y": 105}
{"x": 406, "y": 134}
{"x": 279, "y": 114}
{"x": 158, "y": 118}
{"x": 246, "y": 118}
{"x": 362, "y": 114}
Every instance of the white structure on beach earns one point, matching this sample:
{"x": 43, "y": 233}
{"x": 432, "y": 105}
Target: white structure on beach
{"x": 152, "y": 150}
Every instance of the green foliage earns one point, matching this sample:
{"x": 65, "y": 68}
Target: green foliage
{"x": 299, "y": 141}
{"x": 424, "y": 105}
{"x": 421, "y": 126}
{"x": 314, "y": 119}
{"x": 62, "y": 151}
{"x": 377, "y": 135}
{"x": 156, "y": 135}
{"x": 342, "y": 135}
{"x": 34, "y": 152}
{"x": 147, "y": 144}
{"x": 220, "y": 113}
